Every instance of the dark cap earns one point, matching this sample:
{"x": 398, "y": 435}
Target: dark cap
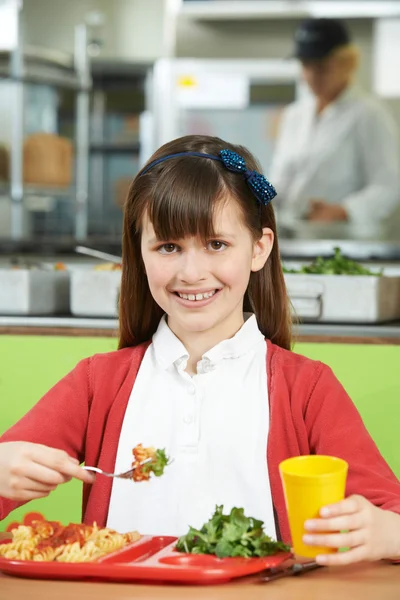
{"x": 316, "y": 38}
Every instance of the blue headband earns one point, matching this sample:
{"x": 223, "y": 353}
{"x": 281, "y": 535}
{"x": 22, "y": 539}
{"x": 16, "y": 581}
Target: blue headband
{"x": 260, "y": 187}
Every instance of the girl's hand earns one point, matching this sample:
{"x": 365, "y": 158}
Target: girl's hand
{"x": 29, "y": 471}
{"x": 372, "y": 533}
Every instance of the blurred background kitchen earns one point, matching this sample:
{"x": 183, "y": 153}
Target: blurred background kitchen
{"x": 90, "y": 88}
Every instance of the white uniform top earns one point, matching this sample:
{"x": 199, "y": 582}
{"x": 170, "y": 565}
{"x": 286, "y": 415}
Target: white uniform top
{"x": 213, "y": 425}
{"x": 346, "y": 155}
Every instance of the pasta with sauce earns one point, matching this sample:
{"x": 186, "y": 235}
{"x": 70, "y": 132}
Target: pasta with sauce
{"x": 52, "y": 541}
{"x": 156, "y": 465}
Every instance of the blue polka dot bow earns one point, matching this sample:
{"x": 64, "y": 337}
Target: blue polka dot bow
{"x": 261, "y": 188}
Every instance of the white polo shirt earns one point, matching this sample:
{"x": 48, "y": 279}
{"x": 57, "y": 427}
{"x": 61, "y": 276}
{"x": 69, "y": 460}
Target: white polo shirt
{"x": 214, "y": 425}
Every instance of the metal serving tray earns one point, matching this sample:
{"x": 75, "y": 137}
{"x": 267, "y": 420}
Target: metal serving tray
{"x": 95, "y": 293}
{"x": 344, "y": 298}
{"x": 34, "y": 292}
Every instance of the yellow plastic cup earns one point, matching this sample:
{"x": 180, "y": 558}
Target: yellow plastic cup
{"x": 309, "y": 483}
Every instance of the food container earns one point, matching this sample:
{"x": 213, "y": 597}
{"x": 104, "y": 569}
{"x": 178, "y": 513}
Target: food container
{"x": 34, "y": 292}
{"x": 344, "y": 298}
{"x": 95, "y": 293}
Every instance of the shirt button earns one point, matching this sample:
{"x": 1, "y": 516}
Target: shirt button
{"x": 188, "y": 419}
{"x": 192, "y": 390}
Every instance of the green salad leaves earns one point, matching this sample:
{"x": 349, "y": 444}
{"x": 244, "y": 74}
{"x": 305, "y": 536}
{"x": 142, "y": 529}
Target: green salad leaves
{"x": 337, "y": 265}
{"x": 230, "y": 535}
{"x": 157, "y": 464}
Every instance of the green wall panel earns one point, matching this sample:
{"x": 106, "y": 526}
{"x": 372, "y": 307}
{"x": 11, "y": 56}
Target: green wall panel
{"x": 30, "y": 365}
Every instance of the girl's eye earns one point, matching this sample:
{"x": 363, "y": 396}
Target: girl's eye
{"x": 168, "y": 249}
{"x": 216, "y": 245}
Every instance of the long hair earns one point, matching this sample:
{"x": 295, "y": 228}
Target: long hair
{"x": 348, "y": 57}
{"x": 179, "y": 196}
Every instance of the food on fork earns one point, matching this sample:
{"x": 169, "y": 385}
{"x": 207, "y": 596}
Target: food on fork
{"x": 159, "y": 460}
{"x": 52, "y": 541}
{"x": 230, "y": 535}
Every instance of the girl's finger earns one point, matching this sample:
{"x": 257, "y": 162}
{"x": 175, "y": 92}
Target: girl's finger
{"x": 346, "y": 522}
{"x": 350, "y": 505}
{"x": 27, "y": 495}
{"x": 25, "y": 484}
{"x": 350, "y": 539}
{"x": 58, "y": 460}
{"x": 348, "y": 557}
{"x": 44, "y": 475}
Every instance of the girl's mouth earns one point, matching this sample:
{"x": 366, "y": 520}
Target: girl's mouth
{"x": 199, "y": 299}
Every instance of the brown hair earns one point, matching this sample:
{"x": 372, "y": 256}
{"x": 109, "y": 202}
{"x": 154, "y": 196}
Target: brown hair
{"x": 179, "y": 195}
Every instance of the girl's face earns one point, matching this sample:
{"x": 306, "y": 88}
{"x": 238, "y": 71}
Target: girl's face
{"x": 201, "y": 287}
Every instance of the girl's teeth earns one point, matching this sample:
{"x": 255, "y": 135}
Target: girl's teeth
{"x": 197, "y": 296}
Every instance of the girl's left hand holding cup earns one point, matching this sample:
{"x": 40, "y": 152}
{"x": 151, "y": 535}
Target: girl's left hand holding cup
{"x": 369, "y": 532}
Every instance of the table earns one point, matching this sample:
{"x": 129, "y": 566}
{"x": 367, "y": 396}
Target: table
{"x": 368, "y": 581}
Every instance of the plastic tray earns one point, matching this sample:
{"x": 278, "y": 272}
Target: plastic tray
{"x": 151, "y": 559}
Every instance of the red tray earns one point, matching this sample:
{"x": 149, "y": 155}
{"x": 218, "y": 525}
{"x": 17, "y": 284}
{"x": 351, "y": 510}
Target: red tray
{"x": 151, "y": 559}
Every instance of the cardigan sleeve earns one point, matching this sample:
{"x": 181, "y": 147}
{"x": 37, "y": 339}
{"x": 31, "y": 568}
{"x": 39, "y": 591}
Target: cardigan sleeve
{"x": 335, "y": 428}
{"x": 58, "y": 420}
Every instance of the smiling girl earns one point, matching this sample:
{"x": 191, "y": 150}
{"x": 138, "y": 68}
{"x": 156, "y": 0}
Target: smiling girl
{"x": 204, "y": 369}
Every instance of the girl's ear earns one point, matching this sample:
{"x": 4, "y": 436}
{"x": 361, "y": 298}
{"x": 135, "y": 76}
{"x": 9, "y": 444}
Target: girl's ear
{"x": 262, "y": 249}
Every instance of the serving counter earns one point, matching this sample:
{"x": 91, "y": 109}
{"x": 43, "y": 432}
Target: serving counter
{"x": 385, "y": 333}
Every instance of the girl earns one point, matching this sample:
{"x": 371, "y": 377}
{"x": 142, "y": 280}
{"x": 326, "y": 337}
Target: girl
{"x": 197, "y": 374}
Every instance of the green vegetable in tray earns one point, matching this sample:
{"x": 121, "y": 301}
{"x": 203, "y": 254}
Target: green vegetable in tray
{"x": 230, "y": 535}
{"x": 337, "y": 265}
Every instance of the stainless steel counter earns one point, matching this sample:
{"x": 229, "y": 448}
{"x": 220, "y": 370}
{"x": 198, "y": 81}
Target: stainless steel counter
{"x": 59, "y": 322}
{"x": 381, "y": 333}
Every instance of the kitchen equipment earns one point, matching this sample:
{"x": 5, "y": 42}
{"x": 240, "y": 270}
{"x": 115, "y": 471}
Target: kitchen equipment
{"x": 125, "y": 475}
{"x": 47, "y": 160}
{"x": 34, "y": 292}
{"x": 98, "y": 254}
{"x": 95, "y": 293}
{"x": 149, "y": 560}
{"x": 344, "y": 298}
{"x": 4, "y": 163}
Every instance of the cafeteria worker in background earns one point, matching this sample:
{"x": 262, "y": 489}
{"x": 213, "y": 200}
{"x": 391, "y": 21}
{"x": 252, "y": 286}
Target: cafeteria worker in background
{"x": 337, "y": 155}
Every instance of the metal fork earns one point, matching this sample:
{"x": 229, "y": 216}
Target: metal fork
{"x": 124, "y": 475}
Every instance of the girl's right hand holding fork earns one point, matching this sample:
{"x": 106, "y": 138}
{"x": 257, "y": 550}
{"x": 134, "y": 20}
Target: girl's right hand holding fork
{"x": 29, "y": 471}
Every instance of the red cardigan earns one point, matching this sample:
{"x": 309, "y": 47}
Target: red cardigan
{"x": 310, "y": 413}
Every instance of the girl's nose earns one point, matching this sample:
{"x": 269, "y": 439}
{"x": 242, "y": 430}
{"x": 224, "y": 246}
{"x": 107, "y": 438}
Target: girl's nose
{"x": 192, "y": 266}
